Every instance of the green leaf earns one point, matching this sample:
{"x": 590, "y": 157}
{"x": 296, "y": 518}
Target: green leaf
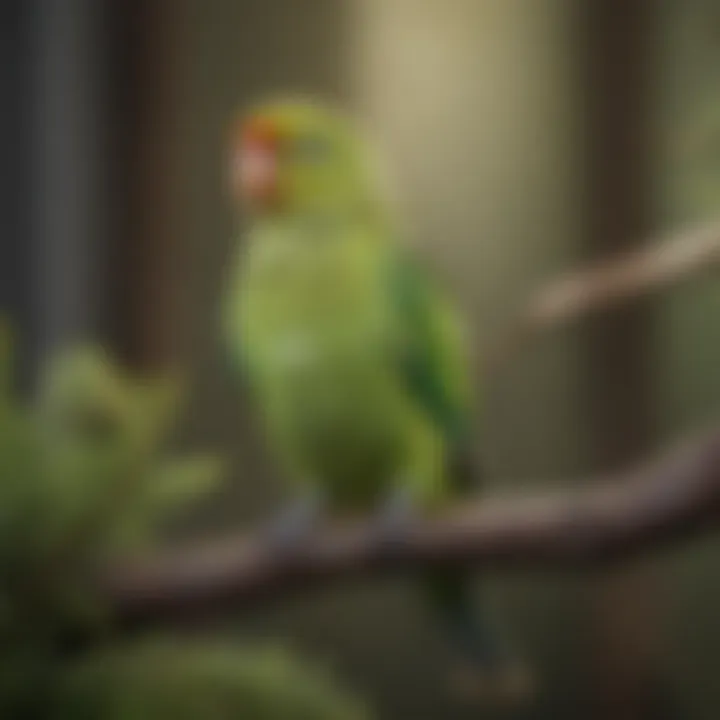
{"x": 177, "y": 482}
{"x": 170, "y": 486}
{"x": 157, "y": 402}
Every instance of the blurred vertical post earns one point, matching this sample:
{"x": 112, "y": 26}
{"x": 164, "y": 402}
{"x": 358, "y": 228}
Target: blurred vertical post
{"x": 618, "y": 44}
{"x": 143, "y": 74}
{"x": 17, "y": 286}
{"x": 68, "y": 175}
{"x": 97, "y": 146}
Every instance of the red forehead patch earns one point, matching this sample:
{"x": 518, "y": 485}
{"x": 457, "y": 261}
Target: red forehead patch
{"x": 259, "y": 130}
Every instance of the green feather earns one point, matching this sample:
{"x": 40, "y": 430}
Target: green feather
{"x": 429, "y": 353}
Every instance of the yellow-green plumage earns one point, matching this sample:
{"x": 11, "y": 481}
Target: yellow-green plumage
{"x": 356, "y": 360}
{"x": 326, "y": 335}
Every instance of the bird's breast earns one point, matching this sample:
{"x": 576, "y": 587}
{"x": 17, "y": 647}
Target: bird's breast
{"x": 318, "y": 332}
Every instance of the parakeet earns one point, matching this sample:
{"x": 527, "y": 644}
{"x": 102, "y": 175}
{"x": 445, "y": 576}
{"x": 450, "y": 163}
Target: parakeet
{"x": 355, "y": 359}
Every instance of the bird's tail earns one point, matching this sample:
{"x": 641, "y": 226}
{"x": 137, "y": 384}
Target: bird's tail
{"x": 486, "y": 662}
{"x": 465, "y": 620}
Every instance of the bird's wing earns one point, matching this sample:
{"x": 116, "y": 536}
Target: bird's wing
{"x": 430, "y": 353}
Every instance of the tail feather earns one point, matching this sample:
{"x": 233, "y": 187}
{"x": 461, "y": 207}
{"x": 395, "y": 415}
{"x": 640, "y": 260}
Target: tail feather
{"x": 466, "y": 620}
{"x": 465, "y": 615}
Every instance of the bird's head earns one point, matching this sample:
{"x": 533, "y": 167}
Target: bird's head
{"x": 292, "y": 155}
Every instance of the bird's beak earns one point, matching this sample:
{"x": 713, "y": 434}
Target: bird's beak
{"x": 255, "y": 165}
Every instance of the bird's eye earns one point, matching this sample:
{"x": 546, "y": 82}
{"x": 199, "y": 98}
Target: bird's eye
{"x": 312, "y": 149}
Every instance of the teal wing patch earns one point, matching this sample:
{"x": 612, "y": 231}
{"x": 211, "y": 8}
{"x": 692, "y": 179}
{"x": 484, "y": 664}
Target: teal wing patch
{"x": 233, "y": 332}
{"x": 430, "y": 353}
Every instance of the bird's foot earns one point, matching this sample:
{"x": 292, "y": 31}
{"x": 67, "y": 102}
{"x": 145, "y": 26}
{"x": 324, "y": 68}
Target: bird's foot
{"x": 508, "y": 685}
{"x": 286, "y": 532}
{"x": 395, "y": 517}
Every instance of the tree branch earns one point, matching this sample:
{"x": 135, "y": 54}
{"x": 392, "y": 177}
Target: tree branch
{"x": 612, "y": 519}
{"x": 665, "y": 263}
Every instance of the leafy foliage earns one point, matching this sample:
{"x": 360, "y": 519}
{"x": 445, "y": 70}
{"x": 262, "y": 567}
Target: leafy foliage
{"x": 179, "y": 680}
{"x": 84, "y": 474}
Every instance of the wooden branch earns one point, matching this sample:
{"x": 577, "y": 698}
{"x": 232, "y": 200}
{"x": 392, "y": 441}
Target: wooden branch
{"x": 665, "y": 263}
{"x": 615, "y": 518}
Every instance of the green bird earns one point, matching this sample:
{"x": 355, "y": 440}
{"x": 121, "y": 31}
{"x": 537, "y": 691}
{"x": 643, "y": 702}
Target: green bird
{"x": 355, "y": 358}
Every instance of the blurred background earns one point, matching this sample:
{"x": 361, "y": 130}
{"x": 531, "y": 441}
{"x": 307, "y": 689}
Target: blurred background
{"x": 528, "y": 137}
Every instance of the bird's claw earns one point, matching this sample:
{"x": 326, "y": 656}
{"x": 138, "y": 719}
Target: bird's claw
{"x": 394, "y": 518}
{"x": 294, "y": 525}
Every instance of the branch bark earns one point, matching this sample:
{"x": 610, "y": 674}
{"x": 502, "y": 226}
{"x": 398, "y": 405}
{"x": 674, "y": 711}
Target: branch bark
{"x": 611, "y": 519}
